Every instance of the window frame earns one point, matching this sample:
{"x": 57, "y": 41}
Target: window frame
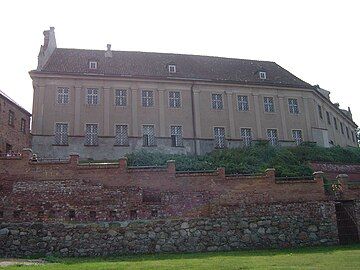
{"x": 298, "y": 142}
{"x": 61, "y": 143}
{"x": 63, "y": 96}
{"x": 92, "y": 96}
{"x": 320, "y": 112}
{"x": 123, "y": 99}
{"x": 93, "y": 62}
{"x": 293, "y": 107}
{"x": 143, "y": 136}
{"x": 181, "y": 144}
{"x": 266, "y": 104}
{"x": 147, "y": 100}
{"x": 174, "y": 99}
{"x": 240, "y": 109}
{"x": 97, "y": 135}
{"x": 262, "y": 75}
{"x": 11, "y": 118}
{"x": 217, "y": 144}
{"x": 328, "y": 118}
{"x": 23, "y": 125}
{"x": 246, "y": 142}
{"x": 172, "y": 68}
{"x": 215, "y": 101}
{"x": 127, "y": 135}
{"x": 277, "y": 136}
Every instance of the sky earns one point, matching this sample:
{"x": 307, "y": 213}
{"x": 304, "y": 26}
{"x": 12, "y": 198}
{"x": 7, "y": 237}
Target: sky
{"x": 316, "y": 40}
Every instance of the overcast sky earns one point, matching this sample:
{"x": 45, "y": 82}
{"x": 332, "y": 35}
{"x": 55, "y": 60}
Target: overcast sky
{"x": 317, "y": 41}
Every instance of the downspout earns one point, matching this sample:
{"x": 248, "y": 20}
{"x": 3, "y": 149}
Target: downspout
{"x": 193, "y": 117}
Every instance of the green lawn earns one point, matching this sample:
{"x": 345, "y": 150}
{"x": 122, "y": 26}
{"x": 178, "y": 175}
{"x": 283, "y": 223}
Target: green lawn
{"x": 339, "y": 257}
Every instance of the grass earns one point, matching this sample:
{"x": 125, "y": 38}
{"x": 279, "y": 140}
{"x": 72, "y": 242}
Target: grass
{"x": 336, "y": 257}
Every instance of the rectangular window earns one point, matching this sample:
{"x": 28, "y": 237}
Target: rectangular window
{"x": 63, "y": 95}
{"x": 122, "y": 135}
{"x": 272, "y": 136}
{"x": 347, "y": 133}
{"x": 320, "y": 112}
{"x": 176, "y": 136}
{"x": 243, "y": 103}
{"x": 11, "y": 119}
{"x": 23, "y": 125}
{"x": 352, "y": 136}
{"x": 297, "y": 136}
{"x": 341, "y": 128}
{"x": 147, "y": 98}
{"x": 92, "y": 97}
{"x": 269, "y": 104}
{"x": 61, "y": 134}
{"x": 335, "y": 123}
{"x": 293, "y": 106}
{"x": 219, "y": 137}
{"x": 93, "y": 65}
{"x": 120, "y": 97}
{"x": 216, "y": 101}
{"x": 328, "y": 118}
{"x": 246, "y": 136}
{"x": 91, "y": 134}
{"x": 149, "y": 135}
{"x": 262, "y": 75}
{"x": 174, "y": 99}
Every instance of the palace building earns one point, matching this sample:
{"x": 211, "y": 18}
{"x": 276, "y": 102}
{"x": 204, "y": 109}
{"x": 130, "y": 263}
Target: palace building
{"x": 103, "y": 104}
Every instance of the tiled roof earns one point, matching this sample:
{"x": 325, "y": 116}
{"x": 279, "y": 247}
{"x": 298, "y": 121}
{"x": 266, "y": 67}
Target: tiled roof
{"x": 9, "y": 99}
{"x": 155, "y": 65}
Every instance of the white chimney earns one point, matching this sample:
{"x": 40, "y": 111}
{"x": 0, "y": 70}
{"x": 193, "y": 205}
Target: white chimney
{"x": 108, "y": 52}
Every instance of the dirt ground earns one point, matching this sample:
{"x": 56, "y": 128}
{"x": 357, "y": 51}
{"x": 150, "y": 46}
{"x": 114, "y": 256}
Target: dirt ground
{"x": 8, "y": 262}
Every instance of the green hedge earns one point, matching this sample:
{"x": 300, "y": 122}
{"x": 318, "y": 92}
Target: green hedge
{"x": 288, "y": 161}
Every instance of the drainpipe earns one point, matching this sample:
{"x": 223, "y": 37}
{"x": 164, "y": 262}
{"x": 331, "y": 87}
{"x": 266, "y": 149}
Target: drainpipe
{"x": 193, "y": 117}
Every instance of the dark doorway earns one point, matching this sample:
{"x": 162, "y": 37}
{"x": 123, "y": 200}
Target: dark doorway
{"x": 346, "y": 221}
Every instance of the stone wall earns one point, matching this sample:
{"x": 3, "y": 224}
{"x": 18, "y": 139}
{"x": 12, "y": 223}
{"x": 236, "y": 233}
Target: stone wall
{"x": 276, "y": 225}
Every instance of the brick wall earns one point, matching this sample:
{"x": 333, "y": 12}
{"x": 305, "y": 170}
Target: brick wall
{"x": 12, "y": 134}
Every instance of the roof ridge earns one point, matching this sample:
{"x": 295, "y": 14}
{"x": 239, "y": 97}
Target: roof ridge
{"x": 13, "y": 101}
{"x": 164, "y": 53}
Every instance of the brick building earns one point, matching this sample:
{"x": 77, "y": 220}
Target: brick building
{"x": 103, "y": 104}
{"x": 14, "y": 126}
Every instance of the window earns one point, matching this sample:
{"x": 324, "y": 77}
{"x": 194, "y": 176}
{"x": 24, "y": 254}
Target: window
{"x": 93, "y": 65}
{"x": 1, "y": 214}
{"x": 341, "y": 128}
{"x": 176, "y": 136}
{"x": 147, "y": 98}
{"x": 293, "y": 106}
{"x": 320, "y": 112}
{"x": 120, "y": 97}
{"x": 352, "y": 136}
{"x": 121, "y": 135}
{"x": 16, "y": 214}
{"x": 154, "y": 213}
{"x": 91, "y": 134}
{"x": 40, "y": 214}
{"x": 328, "y": 118}
{"x": 92, "y": 214}
{"x": 71, "y": 214}
{"x": 243, "y": 103}
{"x": 245, "y": 134}
{"x": 347, "y": 133}
{"x": 112, "y": 214}
{"x": 172, "y": 69}
{"x": 219, "y": 137}
{"x": 269, "y": 104}
{"x": 335, "y": 123}
{"x": 272, "y": 136}
{"x": 63, "y": 95}
{"x": 92, "y": 96}
{"x": 148, "y": 135}
{"x": 216, "y": 101}
{"x": 174, "y": 99}
{"x": 23, "y": 125}
{"x": 297, "y": 136}
{"x": 262, "y": 75}
{"x": 61, "y": 134}
{"x": 133, "y": 214}
{"x": 11, "y": 118}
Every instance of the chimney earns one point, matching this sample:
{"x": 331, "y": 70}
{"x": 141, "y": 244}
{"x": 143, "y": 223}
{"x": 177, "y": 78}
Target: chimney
{"x": 108, "y": 52}
{"x": 47, "y": 48}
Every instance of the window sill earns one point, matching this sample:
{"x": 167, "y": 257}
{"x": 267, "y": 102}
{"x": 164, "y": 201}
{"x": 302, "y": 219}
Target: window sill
{"x": 149, "y": 145}
{"x": 60, "y": 144}
{"x": 178, "y": 146}
{"x": 91, "y": 145}
{"x": 121, "y": 145}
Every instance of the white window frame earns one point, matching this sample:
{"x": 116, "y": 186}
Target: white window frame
{"x": 64, "y": 137}
{"x": 148, "y": 142}
{"x": 120, "y": 140}
{"x": 120, "y": 97}
{"x": 92, "y": 98}
{"x": 262, "y": 75}
{"x": 174, "y": 102}
{"x": 22, "y": 125}
{"x": 274, "y": 140}
{"x": 147, "y": 100}
{"x": 172, "y": 68}
{"x": 93, "y": 64}
{"x": 179, "y": 139}
{"x": 216, "y": 103}
{"x": 293, "y": 106}
{"x": 246, "y": 139}
{"x": 268, "y": 104}
{"x": 242, "y": 105}
{"x": 94, "y": 137}
{"x": 219, "y": 140}
{"x": 298, "y": 140}
{"x": 62, "y": 98}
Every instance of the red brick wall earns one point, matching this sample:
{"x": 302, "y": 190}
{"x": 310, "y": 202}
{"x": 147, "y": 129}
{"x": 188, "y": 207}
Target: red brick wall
{"x": 48, "y": 191}
{"x": 12, "y": 134}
